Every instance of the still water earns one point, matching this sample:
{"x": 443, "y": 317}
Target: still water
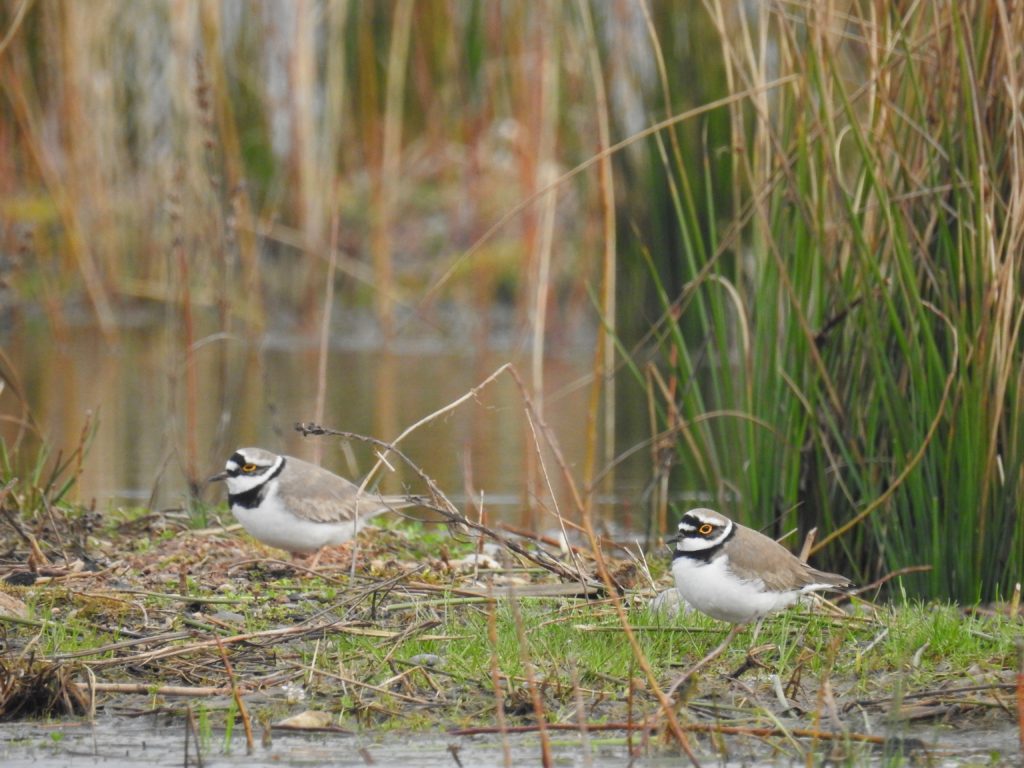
{"x": 152, "y": 434}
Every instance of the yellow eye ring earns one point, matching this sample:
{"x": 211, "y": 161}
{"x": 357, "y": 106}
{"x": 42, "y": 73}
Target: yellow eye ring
{"x": 249, "y": 468}
{"x": 706, "y": 529}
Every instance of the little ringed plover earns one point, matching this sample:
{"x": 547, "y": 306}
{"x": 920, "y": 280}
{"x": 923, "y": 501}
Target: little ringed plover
{"x": 297, "y": 506}
{"x": 733, "y": 573}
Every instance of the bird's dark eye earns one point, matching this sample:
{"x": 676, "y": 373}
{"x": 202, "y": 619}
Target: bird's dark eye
{"x": 249, "y": 468}
{"x": 706, "y": 529}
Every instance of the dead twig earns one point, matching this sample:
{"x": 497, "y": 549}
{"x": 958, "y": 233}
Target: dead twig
{"x": 664, "y": 701}
{"x": 447, "y": 509}
{"x": 714, "y": 654}
{"x": 889, "y": 577}
{"x": 180, "y": 650}
{"x": 369, "y": 686}
{"x": 192, "y": 729}
{"x": 933, "y": 693}
{"x": 243, "y": 712}
{"x": 173, "y": 691}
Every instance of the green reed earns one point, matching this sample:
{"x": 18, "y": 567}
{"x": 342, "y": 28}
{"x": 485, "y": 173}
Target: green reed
{"x": 848, "y": 355}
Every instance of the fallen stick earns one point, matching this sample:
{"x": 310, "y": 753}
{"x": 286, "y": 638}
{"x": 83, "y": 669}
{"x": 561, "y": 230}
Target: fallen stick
{"x": 733, "y": 730}
{"x": 236, "y": 693}
{"x": 145, "y": 689}
{"x": 180, "y": 650}
{"x": 889, "y": 577}
{"x": 934, "y": 693}
{"x": 101, "y": 649}
{"x": 451, "y": 514}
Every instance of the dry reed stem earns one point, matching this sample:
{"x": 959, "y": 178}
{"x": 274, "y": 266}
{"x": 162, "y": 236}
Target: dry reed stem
{"x": 596, "y": 158}
{"x": 237, "y": 696}
{"x": 543, "y": 164}
{"x": 187, "y": 340}
{"x": 13, "y": 84}
{"x": 382, "y": 459}
{"x": 603, "y": 385}
{"x": 731, "y": 730}
{"x": 931, "y": 693}
{"x": 390, "y": 163}
{"x": 19, "y": 17}
{"x": 889, "y": 577}
{"x": 638, "y": 653}
{"x": 309, "y": 202}
{"x": 661, "y": 452}
{"x": 172, "y": 691}
{"x": 453, "y": 515}
{"x": 805, "y": 549}
{"x": 191, "y": 729}
{"x": 269, "y": 634}
{"x": 234, "y": 166}
{"x": 360, "y": 684}
{"x": 325, "y": 327}
{"x": 449, "y": 510}
{"x": 554, "y": 499}
{"x": 711, "y": 656}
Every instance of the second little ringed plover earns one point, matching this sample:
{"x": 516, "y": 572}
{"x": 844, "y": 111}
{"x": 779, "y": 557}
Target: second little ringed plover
{"x": 733, "y": 573}
{"x": 297, "y": 506}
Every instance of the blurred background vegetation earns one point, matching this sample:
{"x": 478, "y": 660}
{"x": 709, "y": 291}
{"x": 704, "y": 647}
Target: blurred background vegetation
{"x": 803, "y": 288}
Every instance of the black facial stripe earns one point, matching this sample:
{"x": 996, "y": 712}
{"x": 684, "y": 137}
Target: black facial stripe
{"x": 705, "y": 555}
{"x": 690, "y": 530}
{"x": 251, "y": 499}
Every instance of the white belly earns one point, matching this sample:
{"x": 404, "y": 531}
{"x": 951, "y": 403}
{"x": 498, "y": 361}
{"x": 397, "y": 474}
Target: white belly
{"x": 712, "y": 589}
{"x": 272, "y": 524}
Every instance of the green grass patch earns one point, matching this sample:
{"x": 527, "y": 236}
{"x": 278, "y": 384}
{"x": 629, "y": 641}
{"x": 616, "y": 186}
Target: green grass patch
{"x": 400, "y": 645}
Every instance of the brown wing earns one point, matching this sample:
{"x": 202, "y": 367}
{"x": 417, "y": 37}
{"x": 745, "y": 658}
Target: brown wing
{"x": 325, "y": 497}
{"x": 753, "y": 555}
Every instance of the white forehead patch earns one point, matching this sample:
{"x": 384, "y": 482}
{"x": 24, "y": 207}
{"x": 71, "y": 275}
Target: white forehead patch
{"x": 703, "y": 515}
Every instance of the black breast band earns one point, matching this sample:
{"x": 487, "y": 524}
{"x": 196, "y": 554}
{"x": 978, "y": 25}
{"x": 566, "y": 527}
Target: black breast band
{"x": 251, "y": 499}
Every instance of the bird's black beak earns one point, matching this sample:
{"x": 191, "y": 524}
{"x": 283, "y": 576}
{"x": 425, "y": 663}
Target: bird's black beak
{"x": 673, "y": 539}
{"x": 217, "y": 477}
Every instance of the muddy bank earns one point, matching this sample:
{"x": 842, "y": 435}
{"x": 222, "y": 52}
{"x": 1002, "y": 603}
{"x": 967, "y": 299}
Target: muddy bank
{"x": 159, "y": 641}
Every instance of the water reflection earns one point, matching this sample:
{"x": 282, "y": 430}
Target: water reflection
{"x": 252, "y": 392}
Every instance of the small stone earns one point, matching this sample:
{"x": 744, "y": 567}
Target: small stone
{"x": 12, "y": 606}
{"x": 670, "y": 603}
{"x": 311, "y": 718}
{"x": 474, "y": 561}
{"x": 425, "y": 660}
{"x": 230, "y": 617}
